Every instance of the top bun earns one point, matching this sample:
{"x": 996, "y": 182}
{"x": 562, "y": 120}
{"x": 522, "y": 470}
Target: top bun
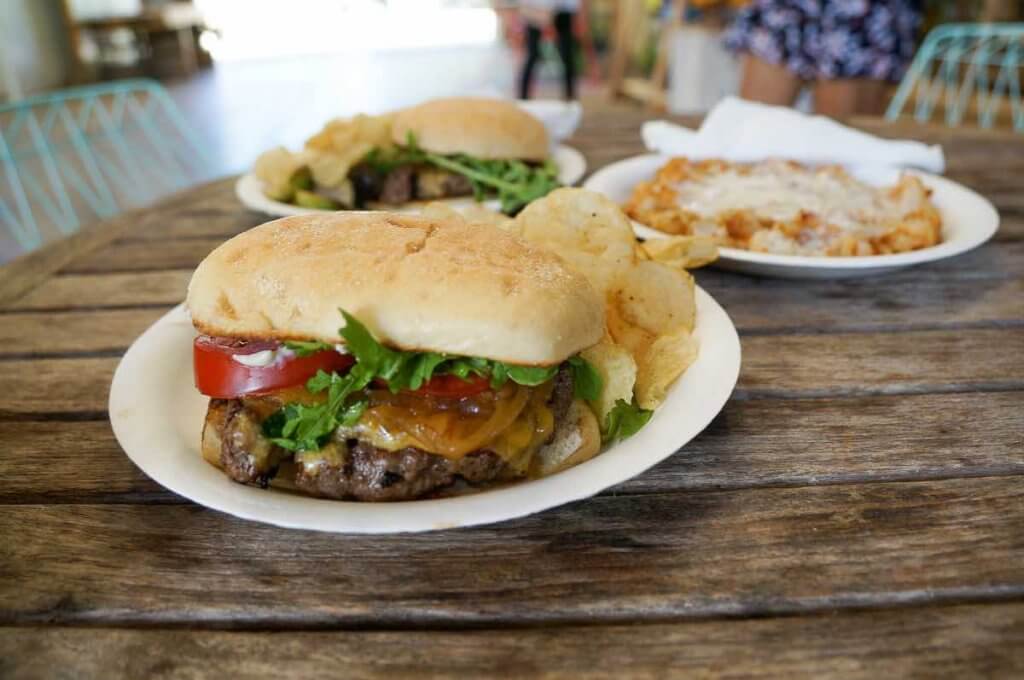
{"x": 416, "y": 283}
{"x": 485, "y": 128}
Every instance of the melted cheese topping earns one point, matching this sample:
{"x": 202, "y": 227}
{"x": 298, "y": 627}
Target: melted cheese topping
{"x": 782, "y": 193}
{"x": 514, "y": 423}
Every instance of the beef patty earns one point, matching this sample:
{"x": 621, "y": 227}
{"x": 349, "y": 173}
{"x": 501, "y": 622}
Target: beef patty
{"x": 356, "y": 469}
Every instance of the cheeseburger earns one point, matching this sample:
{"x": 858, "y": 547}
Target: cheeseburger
{"x": 382, "y": 357}
{"x": 444, "y": 148}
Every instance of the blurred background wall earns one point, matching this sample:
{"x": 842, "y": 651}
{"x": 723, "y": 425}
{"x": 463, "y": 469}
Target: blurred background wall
{"x": 33, "y": 49}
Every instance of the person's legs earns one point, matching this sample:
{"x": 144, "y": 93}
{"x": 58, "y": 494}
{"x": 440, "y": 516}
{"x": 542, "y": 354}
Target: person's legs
{"x": 532, "y": 54}
{"x": 768, "y": 83}
{"x": 567, "y": 51}
{"x": 850, "y": 96}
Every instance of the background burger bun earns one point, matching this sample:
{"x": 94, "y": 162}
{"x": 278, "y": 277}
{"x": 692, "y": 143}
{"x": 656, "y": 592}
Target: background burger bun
{"x": 418, "y": 284}
{"x": 485, "y": 128}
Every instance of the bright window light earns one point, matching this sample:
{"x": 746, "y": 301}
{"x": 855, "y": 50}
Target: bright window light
{"x": 260, "y": 29}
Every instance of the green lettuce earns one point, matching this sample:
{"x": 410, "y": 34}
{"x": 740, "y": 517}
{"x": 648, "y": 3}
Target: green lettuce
{"x": 624, "y": 420}
{"x": 302, "y": 427}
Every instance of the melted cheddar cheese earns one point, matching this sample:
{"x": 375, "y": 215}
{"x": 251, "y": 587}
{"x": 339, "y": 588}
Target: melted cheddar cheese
{"x": 514, "y": 422}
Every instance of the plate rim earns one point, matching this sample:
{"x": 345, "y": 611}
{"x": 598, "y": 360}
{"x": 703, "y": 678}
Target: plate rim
{"x": 719, "y": 341}
{"x": 248, "y": 193}
{"x": 946, "y": 249}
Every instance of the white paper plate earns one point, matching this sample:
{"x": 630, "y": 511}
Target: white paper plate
{"x": 157, "y": 416}
{"x": 968, "y": 220}
{"x": 249, "y": 189}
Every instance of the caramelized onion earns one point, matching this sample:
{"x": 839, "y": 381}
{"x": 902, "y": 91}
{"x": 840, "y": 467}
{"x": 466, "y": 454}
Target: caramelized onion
{"x": 449, "y": 427}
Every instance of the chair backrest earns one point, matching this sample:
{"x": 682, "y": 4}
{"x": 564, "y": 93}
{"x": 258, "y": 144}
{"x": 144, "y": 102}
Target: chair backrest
{"x": 968, "y": 72}
{"x": 77, "y": 155}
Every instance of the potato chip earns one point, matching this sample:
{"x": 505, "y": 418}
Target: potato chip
{"x": 338, "y": 135}
{"x": 330, "y": 168}
{"x": 479, "y": 214}
{"x": 656, "y": 297}
{"x": 474, "y": 214}
{"x": 626, "y": 334}
{"x": 618, "y": 373}
{"x": 342, "y": 143}
{"x": 664, "y": 361}
{"x": 681, "y": 252}
{"x": 572, "y": 221}
{"x": 275, "y": 169}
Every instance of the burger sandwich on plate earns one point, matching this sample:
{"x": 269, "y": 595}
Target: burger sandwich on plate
{"x": 383, "y": 357}
{"x": 444, "y": 148}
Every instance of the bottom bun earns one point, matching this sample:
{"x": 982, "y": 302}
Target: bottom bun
{"x": 577, "y": 439}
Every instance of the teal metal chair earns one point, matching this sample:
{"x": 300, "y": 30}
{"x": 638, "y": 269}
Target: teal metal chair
{"x": 82, "y": 154}
{"x": 965, "y": 67}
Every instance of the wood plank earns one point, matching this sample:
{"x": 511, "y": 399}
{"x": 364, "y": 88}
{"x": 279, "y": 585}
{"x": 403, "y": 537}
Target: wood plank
{"x": 752, "y": 443}
{"x": 607, "y": 559}
{"x": 222, "y": 216}
{"x": 933, "y": 299}
{"x": 833, "y": 441}
{"x": 25, "y": 273}
{"x": 92, "y": 291}
{"x": 881, "y": 363}
{"x": 56, "y": 385}
{"x": 76, "y": 461}
{"x": 110, "y": 330}
{"x": 145, "y": 255}
{"x": 955, "y": 641}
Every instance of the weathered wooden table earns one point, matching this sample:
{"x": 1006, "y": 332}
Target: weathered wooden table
{"x": 857, "y": 508}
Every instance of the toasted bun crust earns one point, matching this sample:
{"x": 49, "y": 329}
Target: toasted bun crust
{"x": 416, "y": 283}
{"x": 485, "y": 128}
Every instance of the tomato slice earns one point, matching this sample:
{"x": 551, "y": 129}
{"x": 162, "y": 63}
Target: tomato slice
{"x": 218, "y": 375}
{"x": 453, "y": 386}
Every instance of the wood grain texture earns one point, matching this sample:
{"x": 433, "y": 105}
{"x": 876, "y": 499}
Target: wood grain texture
{"x": 145, "y": 255}
{"x": 29, "y": 334}
{"x": 608, "y": 559}
{"x": 23, "y": 274}
{"x": 791, "y": 442}
{"x": 932, "y": 642}
{"x": 71, "y": 386}
{"x": 881, "y": 363}
{"x": 99, "y": 291}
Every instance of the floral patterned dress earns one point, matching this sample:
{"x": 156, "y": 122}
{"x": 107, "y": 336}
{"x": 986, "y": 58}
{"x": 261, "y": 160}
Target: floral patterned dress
{"x": 828, "y": 39}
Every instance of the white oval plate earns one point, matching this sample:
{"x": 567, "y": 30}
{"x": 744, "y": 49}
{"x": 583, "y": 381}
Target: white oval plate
{"x": 249, "y": 189}
{"x": 968, "y": 220}
{"x": 157, "y": 416}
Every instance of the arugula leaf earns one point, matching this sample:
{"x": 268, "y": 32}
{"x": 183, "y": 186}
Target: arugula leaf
{"x": 303, "y": 348}
{"x": 624, "y": 420}
{"x": 410, "y": 370}
{"x": 305, "y": 427}
{"x": 423, "y": 367}
{"x": 530, "y": 375}
{"x": 586, "y": 381}
{"x": 301, "y": 427}
{"x": 515, "y": 182}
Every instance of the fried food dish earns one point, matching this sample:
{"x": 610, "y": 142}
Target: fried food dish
{"x": 443, "y": 148}
{"x": 785, "y": 208}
